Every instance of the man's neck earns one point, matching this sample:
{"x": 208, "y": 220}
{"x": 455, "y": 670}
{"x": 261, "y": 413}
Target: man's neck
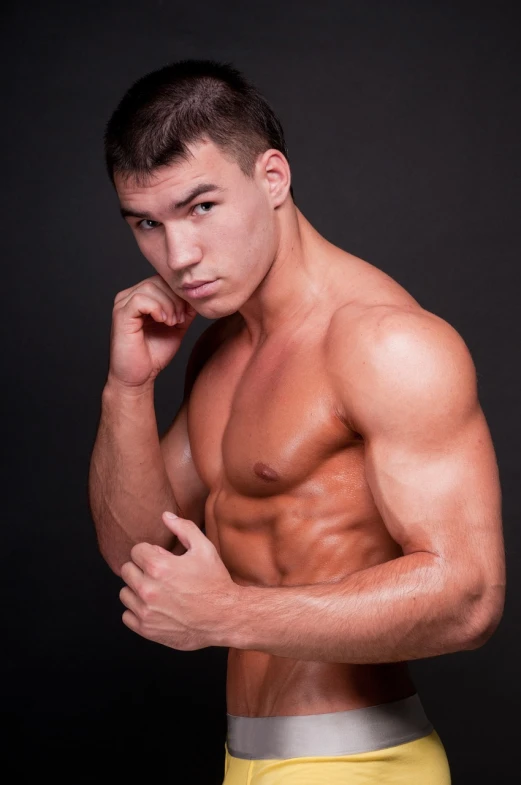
{"x": 294, "y": 283}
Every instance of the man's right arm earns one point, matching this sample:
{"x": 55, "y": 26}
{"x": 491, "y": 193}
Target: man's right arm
{"x": 129, "y": 486}
{"x": 135, "y": 475}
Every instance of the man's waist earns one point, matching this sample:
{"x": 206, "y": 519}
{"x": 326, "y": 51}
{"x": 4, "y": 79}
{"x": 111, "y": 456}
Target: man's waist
{"x": 283, "y": 686}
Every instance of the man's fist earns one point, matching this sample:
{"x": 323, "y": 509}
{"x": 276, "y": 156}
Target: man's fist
{"x": 180, "y": 601}
{"x": 149, "y": 321}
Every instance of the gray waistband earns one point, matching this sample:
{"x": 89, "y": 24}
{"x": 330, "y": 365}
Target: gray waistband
{"x": 335, "y": 733}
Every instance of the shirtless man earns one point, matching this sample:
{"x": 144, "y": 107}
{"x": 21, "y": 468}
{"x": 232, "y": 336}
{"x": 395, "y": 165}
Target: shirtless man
{"x": 330, "y": 443}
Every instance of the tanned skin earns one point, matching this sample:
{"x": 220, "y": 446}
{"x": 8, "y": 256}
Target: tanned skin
{"x": 330, "y": 441}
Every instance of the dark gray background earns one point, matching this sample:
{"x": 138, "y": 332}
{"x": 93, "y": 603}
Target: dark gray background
{"x": 403, "y": 126}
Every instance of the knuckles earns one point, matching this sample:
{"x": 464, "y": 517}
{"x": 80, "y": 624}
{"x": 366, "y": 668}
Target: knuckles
{"x": 155, "y": 569}
{"x": 148, "y": 594}
{"x": 148, "y": 287}
{"x": 145, "y": 615}
{"x": 136, "y": 553}
{"x": 147, "y": 559}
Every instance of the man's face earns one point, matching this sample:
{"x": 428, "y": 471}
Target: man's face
{"x": 228, "y": 234}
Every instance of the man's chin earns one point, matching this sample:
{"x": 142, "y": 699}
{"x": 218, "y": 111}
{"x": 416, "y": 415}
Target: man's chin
{"x": 214, "y": 310}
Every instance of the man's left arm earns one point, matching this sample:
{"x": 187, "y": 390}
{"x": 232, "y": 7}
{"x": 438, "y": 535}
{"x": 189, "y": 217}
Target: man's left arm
{"x": 409, "y": 386}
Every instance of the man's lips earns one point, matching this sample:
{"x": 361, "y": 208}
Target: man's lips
{"x": 194, "y": 284}
{"x": 196, "y": 289}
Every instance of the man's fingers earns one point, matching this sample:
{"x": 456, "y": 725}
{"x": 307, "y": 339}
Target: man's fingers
{"x": 148, "y": 557}
{"x": 141, "y": 304}
{"x": 132, "y": 575}
{"x": 131, "y": 601}
{"x": 188, "y": 533}
{"x": 136, "y": 300}
{"x": 131, "y": 621}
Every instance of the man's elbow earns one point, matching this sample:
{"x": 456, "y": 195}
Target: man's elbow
{"x": 484, "y": 615}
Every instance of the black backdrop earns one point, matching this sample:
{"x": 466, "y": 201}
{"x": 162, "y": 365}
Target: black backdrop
{"x": 403, "y": 126}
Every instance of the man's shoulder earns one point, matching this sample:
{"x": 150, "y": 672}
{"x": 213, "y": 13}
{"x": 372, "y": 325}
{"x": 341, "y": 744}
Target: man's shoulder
{"x": 394, "y": 351}
{"x": 376, "y": 327}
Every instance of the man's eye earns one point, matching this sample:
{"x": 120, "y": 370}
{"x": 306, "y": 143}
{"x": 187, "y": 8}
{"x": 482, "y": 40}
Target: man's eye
{"x": 204, "y": 204}
{"x": 145, "y": 224}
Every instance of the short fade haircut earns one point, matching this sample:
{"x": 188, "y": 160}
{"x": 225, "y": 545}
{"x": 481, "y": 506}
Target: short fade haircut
{"x": 168, "y": 109}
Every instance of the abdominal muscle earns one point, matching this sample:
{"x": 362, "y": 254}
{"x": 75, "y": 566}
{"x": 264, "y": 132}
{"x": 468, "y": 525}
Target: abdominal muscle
{"x": 303, "y": 545}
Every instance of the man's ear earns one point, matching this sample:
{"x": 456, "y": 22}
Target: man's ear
{"x": 276, "y": 174}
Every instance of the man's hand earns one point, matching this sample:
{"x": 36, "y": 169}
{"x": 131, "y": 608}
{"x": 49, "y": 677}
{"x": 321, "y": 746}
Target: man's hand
{"x": 179, "y": 601}
{"x": 149, "y": 322}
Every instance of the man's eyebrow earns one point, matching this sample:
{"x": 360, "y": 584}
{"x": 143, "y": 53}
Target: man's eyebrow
{"x": 202, "y": 188}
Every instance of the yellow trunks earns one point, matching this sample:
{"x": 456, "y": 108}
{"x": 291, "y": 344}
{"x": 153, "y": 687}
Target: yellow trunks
{"x": 420, "y": 762}
{"x": 390, "y": 744}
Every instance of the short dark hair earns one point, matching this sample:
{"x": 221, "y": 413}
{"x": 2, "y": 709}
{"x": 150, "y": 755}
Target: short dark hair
{"x": 168, "y": 109}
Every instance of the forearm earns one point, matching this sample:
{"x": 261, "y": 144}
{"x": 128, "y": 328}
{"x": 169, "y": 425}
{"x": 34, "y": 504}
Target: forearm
{"x": 128, "y": 484}
{"x": 404, "y": 609}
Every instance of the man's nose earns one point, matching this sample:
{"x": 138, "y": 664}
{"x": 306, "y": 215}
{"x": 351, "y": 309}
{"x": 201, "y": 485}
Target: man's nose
{"x": 181, "y": 251}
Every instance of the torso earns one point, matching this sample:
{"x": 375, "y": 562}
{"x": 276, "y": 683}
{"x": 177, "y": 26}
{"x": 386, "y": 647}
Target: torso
{"x": 289, "y": 503}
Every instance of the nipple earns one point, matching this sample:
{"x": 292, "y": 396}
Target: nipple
{"x": 265, "y": 472}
